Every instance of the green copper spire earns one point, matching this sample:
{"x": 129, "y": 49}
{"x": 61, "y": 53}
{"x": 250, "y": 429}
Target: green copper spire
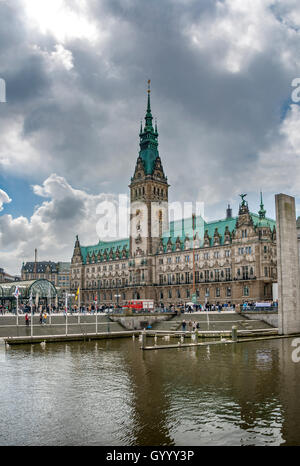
{"x": 148, "y": 140}
{"x": 148, "y": 117}
{"x": 262, "y": 211}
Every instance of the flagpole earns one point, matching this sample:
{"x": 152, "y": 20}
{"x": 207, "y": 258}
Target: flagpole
{"x": 66, "y": 313}
{"x": 17, "y": 309}
{"x": 16, "y": 295}
{"x": 96, "y": 303}
{"x": 31, "y": 326}
{"x": 79, "y": 305}
{"x": 49, "y": 295}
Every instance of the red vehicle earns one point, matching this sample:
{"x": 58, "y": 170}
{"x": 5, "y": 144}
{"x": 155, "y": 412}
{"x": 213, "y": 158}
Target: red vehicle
{"x": 139, "y": 304}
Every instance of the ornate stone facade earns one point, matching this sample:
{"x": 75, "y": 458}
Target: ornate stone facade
{"x": 57, "y": 273}
{"x": 229, "y": 260}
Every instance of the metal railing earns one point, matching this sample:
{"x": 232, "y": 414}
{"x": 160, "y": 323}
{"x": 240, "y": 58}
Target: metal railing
{"x": 259, "y": 309}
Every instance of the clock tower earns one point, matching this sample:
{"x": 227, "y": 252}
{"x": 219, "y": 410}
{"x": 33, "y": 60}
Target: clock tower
{"x": 148, "y": 193}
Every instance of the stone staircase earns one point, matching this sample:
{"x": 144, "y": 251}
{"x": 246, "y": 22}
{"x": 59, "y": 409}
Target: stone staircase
{"x": 214, "y": 321}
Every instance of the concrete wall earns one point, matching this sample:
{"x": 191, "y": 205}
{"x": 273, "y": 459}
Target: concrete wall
{"x": 137, "y": 322}
{"x": 287, "y": 266}
{"x": 270, "y": 318}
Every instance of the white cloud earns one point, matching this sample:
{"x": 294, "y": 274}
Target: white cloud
{"x": 53, "y": 226}
{"x": 59, "y": 18}
{"x": 4, "y": 198}
{"x": 278, "y": 167}
{"x": 239, "y": 30}
{"x": 61, "y": 57}
{"x": 17, "y": 153}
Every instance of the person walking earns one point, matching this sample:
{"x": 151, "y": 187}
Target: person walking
{"x": 26, "y": 319}
{"x": 183, "y": 325}
{"x": 190, "y": 325}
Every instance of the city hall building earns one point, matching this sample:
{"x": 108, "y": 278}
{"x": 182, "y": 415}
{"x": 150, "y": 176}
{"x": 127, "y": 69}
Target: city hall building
{"x": 230, "y": 260}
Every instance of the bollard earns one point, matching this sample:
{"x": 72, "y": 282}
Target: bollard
{"x": 234, "y": 333}
{"x": 143, "y": 339}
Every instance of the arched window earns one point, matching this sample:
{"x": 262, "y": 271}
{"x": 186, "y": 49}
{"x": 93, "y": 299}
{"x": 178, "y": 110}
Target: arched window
{"x": 246, "y": 291}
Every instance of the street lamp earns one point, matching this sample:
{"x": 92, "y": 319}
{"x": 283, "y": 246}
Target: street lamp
{"x": 117, "y": 296}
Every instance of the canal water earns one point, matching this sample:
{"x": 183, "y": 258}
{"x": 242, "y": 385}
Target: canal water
{"x": 112, "y": 393}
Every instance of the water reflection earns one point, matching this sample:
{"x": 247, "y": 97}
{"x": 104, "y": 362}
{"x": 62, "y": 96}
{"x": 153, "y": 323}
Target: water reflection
{"x": 112, "y": 393}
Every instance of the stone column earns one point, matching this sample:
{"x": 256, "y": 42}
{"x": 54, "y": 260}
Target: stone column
{"x": 287, "y": 266}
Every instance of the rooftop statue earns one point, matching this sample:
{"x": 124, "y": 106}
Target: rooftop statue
{"x": 243, "y": 200}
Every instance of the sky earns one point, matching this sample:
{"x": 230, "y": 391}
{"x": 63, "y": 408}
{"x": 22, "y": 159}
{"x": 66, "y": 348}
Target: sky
{"x": 223, "y": 91}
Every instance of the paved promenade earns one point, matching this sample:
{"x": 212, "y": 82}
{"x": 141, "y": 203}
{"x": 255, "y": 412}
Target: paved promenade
{"x": 58, "y": 324}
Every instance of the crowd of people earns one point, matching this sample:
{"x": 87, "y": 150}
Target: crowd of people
{"x": 92, "y": 309}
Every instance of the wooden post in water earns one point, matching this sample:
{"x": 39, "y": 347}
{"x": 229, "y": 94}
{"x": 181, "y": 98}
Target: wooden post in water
{"x": 234, "y": 333}
{"x": 196, "y": 336}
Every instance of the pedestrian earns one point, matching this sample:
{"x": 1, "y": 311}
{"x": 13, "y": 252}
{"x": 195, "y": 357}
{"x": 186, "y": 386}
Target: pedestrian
{"x": 190, "y": 325}
{"x": 26, "y": 319}
{"x": 183, "y": 325}
{"x": 45, "y": 318}
{"x": 194, "y": 326}
{"x": 41, "y": 317}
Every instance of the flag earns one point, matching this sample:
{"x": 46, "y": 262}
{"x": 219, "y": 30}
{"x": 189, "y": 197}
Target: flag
{"x": 66, "y": 303}
{"x": 76, "y": 295}
{"x": 17, "y": 292}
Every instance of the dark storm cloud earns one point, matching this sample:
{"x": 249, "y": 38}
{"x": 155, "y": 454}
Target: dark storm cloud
{"x": 84, "y": 120}
{"x": 220, "y": 76}
{"x": 64, "y": 210}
